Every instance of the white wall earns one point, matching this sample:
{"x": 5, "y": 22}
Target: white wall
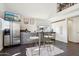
{"x": 23, "y": 25}
{"x": 1, "y": 16}
{"x": 61, "y": 30}
{"x": 36, "y": 10}
{"x": 33, "y": 26}
{"x": 43, "y": 22}
{"x": 1, "y": 35}
{"x": 1, "y": 10}
{"x": 74, "y": 30}
{"x": 67, "y": 13}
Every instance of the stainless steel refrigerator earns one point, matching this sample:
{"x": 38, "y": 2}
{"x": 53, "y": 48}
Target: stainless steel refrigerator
{"x": 15, "y": 32}
{"x": 13, "y": 38}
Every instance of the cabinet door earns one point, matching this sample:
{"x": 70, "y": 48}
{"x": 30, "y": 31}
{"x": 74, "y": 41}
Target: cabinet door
{"x": 7, "y": 40}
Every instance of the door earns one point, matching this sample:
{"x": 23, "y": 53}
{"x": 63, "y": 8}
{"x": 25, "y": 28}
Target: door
{"x": 70, "y": 28}
{"x": 76, "y": 29}
{"x": 73, "y": 29}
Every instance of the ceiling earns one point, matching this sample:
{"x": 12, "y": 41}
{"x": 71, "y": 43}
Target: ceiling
{"x": 37, "y": 10}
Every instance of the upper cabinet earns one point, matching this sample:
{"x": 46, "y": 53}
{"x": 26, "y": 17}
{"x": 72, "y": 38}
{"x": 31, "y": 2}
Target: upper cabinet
{"x": 10, "y": 16}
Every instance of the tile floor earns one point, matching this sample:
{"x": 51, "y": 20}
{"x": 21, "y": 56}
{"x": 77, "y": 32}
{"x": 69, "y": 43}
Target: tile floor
{"x": 70, "y": 49}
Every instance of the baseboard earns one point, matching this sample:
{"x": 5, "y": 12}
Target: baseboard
{"x": 1, "y": 48}
{"x": 73, "y": 42}
{"x": 62, "y": 41}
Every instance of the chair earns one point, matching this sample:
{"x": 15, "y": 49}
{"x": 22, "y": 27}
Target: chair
{"x": 49, "y": 37}
{"x": 35, "y": 37}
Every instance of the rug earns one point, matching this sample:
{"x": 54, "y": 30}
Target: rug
{"x": 47, "y": 50}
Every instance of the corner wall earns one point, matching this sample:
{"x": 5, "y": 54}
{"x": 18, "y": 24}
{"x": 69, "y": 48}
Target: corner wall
{"x": 2, "y": 10}
{"x": 74, "y": 29}
{"x": 61, "y": 30}
{"x": 1, "y": 32}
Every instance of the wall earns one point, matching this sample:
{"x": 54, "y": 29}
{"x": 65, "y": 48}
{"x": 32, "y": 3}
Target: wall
{"x": 1, "y": 10}
{"x": 33, "y": 27}
{"x": 23, "y": 25}
{"x": 1, "y": 16}
{"x": 36, "y": 10}
{"x": 67, "y": 13}
{"x": 1, "y": 35}
{"x": 61, "y": 30}
{"x": 74, "y": 33}
{"x": 42, "y": 22}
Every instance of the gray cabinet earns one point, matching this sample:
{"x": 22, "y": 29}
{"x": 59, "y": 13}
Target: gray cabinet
{"x": 25, "y": 37}
{"x": 7, "y": 40}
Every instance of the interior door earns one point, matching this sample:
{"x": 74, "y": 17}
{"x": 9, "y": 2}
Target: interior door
{"x": 70, "y": 23}
{"x": 77, "y": 29}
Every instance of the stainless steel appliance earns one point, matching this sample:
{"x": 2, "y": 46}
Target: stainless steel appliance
{"x": 12, "y": 33}
{"x": 15, "y": 32}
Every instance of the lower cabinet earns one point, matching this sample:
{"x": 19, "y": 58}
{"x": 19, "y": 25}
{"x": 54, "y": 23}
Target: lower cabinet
{"x": 6, "y": 40}
{"x": 25, "y": 37}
